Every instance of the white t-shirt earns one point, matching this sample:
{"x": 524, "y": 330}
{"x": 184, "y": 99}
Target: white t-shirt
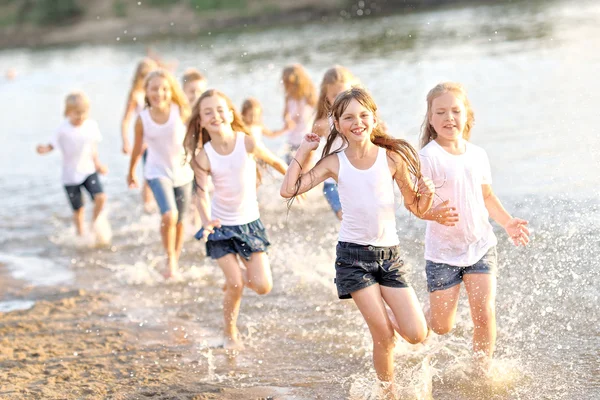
{"x": 458, "y": 178}
{"x": 77, "y": 145}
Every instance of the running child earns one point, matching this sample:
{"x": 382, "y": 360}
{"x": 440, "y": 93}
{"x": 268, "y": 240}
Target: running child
{"x": 77, "y": 138}
{"x": 368, "y": 265}
{"x": 160, "y": 126}
{"x": 460, "y": 245}
{"x": 193, "y": 84}
{"x": 252, "y": 117}
{"x": 219, "y": 144}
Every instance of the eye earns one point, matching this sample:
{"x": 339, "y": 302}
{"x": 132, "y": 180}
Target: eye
{"x": 457, "y": 111}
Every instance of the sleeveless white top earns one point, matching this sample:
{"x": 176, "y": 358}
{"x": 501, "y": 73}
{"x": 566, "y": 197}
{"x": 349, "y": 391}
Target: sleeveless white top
{"x": 367, "y": 198}
{"x": 234, "y": 199}
{"x": 166, "y": 155}
{"x": 302, "y": 115}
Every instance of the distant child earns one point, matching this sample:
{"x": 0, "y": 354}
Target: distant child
{"x": 460, "y": 245}
{"x": 135, "y": 104}
{"x": 336, "y": 80}
{"x": 77, "y": 138}
{"x": 252, "y": 117}
{"x": 368, "y": 265}
{"x": 300, "y": 102}
{"x": 160, "y": 126}
{"x": 220, "y": 145}
{"x": 193, "y": 84}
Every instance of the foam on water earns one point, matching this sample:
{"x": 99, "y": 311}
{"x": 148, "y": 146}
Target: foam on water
{"x": 37, "y": 271}
{"x": 14, "y": 305}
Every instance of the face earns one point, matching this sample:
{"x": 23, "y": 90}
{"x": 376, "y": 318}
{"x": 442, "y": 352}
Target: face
{"x": 215, "y": 115}
{"x": 158, "y": 92}
{"x": 334, "y": 89}
{"x": 356, "y": 122}
{"x": 194, "y": 89}
{"x": 252, "y": 116}
{"x": 78, "y": 114}
{"x": 448, "y": 116}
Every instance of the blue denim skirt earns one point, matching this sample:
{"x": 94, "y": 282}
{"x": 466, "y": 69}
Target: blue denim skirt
{"x": 236, "y": 239}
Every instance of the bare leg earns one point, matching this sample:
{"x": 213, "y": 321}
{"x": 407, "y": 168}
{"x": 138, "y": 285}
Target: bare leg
{"x": 99, "y": 201}
{"x": 339, "y": 215}
{"x": 407, "y": 311}
{"x": 234, "y": 287}
{"x": 78, "y": 216}
{"x": 147, "y": 198}
{"x": 481, "y": 289}
{"x": 179, "y": 238}
{"x": 442, "y": 309}
{"x": 168, "y": 235}
{"x": 258, "y": 275}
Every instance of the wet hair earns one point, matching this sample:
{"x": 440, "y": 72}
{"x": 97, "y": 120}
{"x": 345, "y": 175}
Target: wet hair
{"x": 298, "y": 85}
{"x": 75, "y": 99}
{"x": 427, "y": 132}
{"x": 177, "y": 95}
{"x": 334, "y": 75}
{"x": 191, "y": 75}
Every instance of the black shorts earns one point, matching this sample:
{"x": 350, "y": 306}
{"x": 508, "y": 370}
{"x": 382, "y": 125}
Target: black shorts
{"x": 358, "y": 266}
{"x": 91, "y": 184}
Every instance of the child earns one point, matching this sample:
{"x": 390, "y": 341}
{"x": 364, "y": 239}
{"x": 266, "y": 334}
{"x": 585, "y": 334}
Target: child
{"x": 135, "y": 104}
{"x": 77, "y": 137}
{"x": 336, "y": 80}
{"x": 461, "y": 249}
{"x": 193, "y": 84}
{"x": 368, "y": 266}
{"x": 252, "y": 117}
{"x": 161, "y": 127}
{"x": 220, "y": 145}
{"x": 300, "y": 100}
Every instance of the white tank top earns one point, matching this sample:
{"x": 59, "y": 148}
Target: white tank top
{"x": 367, "y": 198}
{"x": 234, "y": 199}
{"x": 302, "y": 115}
{"x": 166, "y": 155}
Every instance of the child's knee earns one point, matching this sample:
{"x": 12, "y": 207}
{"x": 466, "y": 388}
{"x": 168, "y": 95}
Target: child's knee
{"x": 170, "y": 218}
{"x": 234, "y": 286}
{"x": 485, "y": 315}
{"x": 100, "y": 198}
{"x": 415, "y": 335}
{"x": 263, "y": 287}
{"x": 384, "y": 337}
{"x": 441, "y": 327}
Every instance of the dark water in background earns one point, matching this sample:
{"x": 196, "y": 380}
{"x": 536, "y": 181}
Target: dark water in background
{"x": 531, "y": 71}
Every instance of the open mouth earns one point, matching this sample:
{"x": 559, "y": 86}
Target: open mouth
{"x": 358, "y": 131}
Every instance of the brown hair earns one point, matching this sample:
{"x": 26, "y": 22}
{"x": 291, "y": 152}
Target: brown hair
{"x": 191, "y": 75}
{"x": 335, "y": 74}
{"x": 427, "y": 132}
{"x": 74, "y": 99}
{"x": 144, "y": 67}
{"x": 177, "y": 95}
{"x": 298, "y": 85}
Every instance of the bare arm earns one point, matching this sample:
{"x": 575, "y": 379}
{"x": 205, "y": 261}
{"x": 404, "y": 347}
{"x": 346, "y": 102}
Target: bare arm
{"x": 515, "y": 228}
{"x": 264, "y": 154}
{"x": 136, "y": 152}
{"x": 100, "y": 168}
{"x": 201, "y": 167}
{"x": 129, "y": 112}
{"x": 327, "y": 168}
{"x": 44, "y": 148}
{"x": 417, "y": 200}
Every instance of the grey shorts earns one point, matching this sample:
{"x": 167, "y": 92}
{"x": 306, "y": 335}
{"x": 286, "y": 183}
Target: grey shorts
{"x": 358, "y": 266}
{"x": 443, "y": 276}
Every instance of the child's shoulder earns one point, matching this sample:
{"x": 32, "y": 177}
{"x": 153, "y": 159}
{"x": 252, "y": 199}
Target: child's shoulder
{"x": 476, "y": 150}
{"x": 430, "y": 149}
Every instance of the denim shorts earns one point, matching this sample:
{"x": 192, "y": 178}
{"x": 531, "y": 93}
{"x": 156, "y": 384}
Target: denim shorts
{"x": 330, "y": 190}
{"x": 91, "y": 184}
{"x": 443, "y": 276}
{"x": 236, "y": 239}
{"x": 358, "y": 266}
{"x": 170, "y": 198}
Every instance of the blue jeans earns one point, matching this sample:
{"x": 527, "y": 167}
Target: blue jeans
{"x": 330, "y": 190}
{"x": 171, "y": 198}
{"x": 443, "y": 276}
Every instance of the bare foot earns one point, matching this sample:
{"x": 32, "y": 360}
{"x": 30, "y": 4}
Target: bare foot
{"x": 233, "y": 343}
{"x": 171, "y": 270}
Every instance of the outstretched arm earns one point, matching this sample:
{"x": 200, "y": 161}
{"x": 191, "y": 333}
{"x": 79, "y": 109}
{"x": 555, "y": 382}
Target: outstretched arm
{"x": 136, "y": 153}
{"x": 44, "y": 148}
{"x": 264, "y": 154}
{"x": 516, "y": 228}
{"x": 327, "y": 168}
{"x": 129, "y": 112}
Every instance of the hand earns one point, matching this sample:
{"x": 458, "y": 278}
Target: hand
{"x": 101, "y": 169}
{"x": 132, "y": 181}
{"x": 209, "y": 228}
{"x": 426, "y": 187}
{"x": 310, "y": 141}
{"x": 43, "y": 149}
{"x": 443, "y": 214}
{"x": 289, "y": 123}
{"x": 126, "y": 147}
{"x": 517, "y": 230}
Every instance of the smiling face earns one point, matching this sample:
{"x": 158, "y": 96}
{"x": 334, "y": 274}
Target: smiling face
{"x": 448, "y": 117}
{"x": 215, "y": 115}
{"x": 158, "y": 92}
{"x": 356, "y": 122}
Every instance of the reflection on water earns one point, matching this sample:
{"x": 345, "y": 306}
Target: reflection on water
{"x": 530, "y": 75}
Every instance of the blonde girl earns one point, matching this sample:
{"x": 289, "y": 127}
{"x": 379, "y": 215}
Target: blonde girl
{"x": 219, "y": 144}
{"x": 160, "y": 126}
{"x": 460, "y": 245}
{"x": 368, "y": 265}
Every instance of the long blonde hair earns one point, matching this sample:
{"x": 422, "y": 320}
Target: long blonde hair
{"x": 298, "y": 85}
{"x": 177, "y": 95}
{"x": 427, "y": 132}
{"x": 144, "y": 67}
{"x": 334, "y": 75}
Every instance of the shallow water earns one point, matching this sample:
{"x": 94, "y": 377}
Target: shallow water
{"x": 530, "y": 68}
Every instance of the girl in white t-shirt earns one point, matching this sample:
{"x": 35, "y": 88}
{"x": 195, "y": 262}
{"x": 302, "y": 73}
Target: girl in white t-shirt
{"x": 160, "y": 127}
{"x": 77, "y": 138}
{"x": 460, "y": 245}
{"x": 368, "y": 265}
{"x": 219, "y": 144}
